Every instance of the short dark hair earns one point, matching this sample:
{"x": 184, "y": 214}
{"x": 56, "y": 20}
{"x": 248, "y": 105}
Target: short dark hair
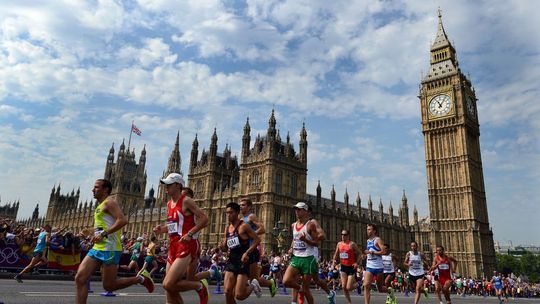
{"x": 189, "y": 191}
{"x": 374, "y": 227}
{"x": 386, "y": 245}
{"x": 440, "y": 246}
{"x": 414, "y": 243}
{"x": 106, "y": 184}
{"x": 247, "y": 200}
{"x": 234, "y": 206}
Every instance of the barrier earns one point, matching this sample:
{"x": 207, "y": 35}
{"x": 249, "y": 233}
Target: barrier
{"x": 218, "y": 288}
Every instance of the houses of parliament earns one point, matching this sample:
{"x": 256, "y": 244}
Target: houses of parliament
{"x": 272, "y": 172}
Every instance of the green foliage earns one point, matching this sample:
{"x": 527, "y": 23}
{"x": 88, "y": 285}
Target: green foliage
{"x": 528, "y": 264}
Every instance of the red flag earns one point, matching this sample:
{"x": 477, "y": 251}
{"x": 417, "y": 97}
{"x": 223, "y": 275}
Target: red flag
{"x": 135, "y": 130}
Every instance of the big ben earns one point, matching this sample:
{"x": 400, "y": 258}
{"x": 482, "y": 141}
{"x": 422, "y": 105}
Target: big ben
{"x": 456, "y": 193}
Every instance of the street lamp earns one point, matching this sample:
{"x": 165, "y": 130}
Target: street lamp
{"x": 280, "y": 234}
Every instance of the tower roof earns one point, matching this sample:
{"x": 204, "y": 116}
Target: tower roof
{"x": 441, "y": 40}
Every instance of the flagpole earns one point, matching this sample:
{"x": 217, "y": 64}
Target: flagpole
{"x": 130, "y": 131}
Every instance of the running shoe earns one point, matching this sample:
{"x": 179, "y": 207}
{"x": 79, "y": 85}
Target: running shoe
{"x": 256, "y": 288}
{"x": 300, "y": 297}
{"x": 392, "y": 295}
{"x": 273, "y": 288}
{"x": 18, "y": 278}
{"x": 147, "y": 281}
{"x": 425, "y": 293}
{"x": 332, "y": 297}
{"x": 204, "y": 295}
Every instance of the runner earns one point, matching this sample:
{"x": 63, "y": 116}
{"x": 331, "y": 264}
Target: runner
{"x": 241, "y": 241}
{"x": 251, "y": 219}
{"x": 445, "y": 265}
{"x": 135, "y": 249}
{"x": 416, "y": 261}
{"x": 497, "y": 283}
{"x": 39, "y": 257}
{"x": 150, "y": 258}
{"x": 321, "y": 282}
{"x": 184, "y": 221}
{"x": 107, "y": 249}
{"x": 374, "y": 264}
{"x": 192, "y": 274}
{"x": 275, "y": 269}
{"x": 349, "y": 258}
{"x": 303, "y": 261}
{"x": 389, "y": 271}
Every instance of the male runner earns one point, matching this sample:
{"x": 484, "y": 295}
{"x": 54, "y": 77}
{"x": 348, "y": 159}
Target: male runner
{"x": 39, "y": 258}
{"x": 350, "y": 257}
{"x": 374, "y": 265}
{"x": 241, "y": 241}
{"x": 107, "y": 249}
{"x": 415, "y": 261}
{"x": 184, "y": 221}
{"x": 135, "y": 249}
{"x": 445, "y": 265}
{"x": 251, "y": 219}
{"x": 150, "y": 258}
{"x": 389, "y": 273}
{"x": 303, "y": 261}
{"x": 497, "y": 283}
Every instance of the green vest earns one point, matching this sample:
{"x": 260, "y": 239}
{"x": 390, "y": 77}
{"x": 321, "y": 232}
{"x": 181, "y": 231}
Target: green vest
{"x": 103, "y": 221}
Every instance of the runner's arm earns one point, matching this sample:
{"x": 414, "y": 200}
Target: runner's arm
{"x": 336, "y": 253}
{"x": 260, "y": 228}
{"x": 406, "y": 262}
{"x": 252, "y": 235}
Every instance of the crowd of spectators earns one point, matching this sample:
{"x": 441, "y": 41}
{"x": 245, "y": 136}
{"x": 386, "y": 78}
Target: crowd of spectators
{"x": 273, "y": 265}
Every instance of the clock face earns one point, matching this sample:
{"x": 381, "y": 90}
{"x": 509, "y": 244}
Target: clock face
{"x": 440, "y": 105}
{"x": 470, "y": 106}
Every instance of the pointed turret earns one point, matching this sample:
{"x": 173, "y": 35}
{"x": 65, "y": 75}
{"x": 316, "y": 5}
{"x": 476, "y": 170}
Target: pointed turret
{"x": 346, "y": 201}
{"x": 381, "y": 211}
{"x": 303, "y": 144}
{"x": 358, "y": 204}
{"x": 271, "y": 132}
{"x": 404, "y": 210}
{"x": 35, "y": 214}
{"x": 391, "y": 213}
{"x": 142, "y": 158}
{"x": 415, "y": 215}
{"x": 174, "y": 164}
{"x": 319, "y": 194}
{"x": 443, "y": 56}
{"x": 110, "y": 158}
{"x": 213, "y": 144}
{"x": 194, "y": 154}
{"x": 370, "y": 208}
{"x": 246, "y": 140}
{"x": 333, "y": 198}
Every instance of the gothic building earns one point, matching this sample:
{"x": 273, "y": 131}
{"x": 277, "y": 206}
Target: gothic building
{"x": 273, "y": 174}
{"x": 9, "y": 210}
{"x": 456, "y": 193}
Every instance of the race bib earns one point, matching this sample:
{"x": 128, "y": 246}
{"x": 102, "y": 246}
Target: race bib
{"x": 444, "y": 266}
{"x": 416, "y": 265}
{"x": 343, "y": 255}
{"x": 172, "y": 227}
{"x": 299, "y": 245}
{"x": 233, "y": 242}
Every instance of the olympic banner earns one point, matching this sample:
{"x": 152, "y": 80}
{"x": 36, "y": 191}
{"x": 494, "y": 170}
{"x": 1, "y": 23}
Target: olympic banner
{"x": 10, "y": 256}
{"x": 64, "y": 260}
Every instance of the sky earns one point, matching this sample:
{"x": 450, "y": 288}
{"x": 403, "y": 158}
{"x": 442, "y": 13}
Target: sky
{"x": 74, "y": 75}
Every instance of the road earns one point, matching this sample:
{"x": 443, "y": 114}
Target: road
{"x": 41, "y": 291}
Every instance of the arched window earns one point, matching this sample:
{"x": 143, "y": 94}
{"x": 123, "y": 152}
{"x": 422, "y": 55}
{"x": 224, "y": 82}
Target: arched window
{"x": 199, "y": 188}
{"x": 294, "y": 181}
{"x": 255, "y": 179}
{"x": 279, "y": 179}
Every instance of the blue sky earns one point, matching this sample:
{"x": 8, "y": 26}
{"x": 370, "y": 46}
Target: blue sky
{"x": 73, "y": 75}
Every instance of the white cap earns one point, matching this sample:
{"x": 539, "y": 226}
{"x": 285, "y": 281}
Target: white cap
{"x": 301, "y": 205}
{"x": 173, "y": 178}
{"x": 140, "y": 238}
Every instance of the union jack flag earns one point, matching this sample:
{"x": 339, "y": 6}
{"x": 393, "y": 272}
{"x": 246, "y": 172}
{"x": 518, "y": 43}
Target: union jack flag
{"x": 135, "y": 130}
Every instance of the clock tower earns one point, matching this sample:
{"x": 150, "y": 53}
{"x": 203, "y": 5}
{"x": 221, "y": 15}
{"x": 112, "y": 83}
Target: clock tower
{"x": 456, "y": 193}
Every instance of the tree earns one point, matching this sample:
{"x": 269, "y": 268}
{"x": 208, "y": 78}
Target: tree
{"x": 530, "y": 264}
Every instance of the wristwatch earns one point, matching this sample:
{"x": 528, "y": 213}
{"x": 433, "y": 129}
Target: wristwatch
{"x": 104, "y": 233}
{"x": 190, "y": 234}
